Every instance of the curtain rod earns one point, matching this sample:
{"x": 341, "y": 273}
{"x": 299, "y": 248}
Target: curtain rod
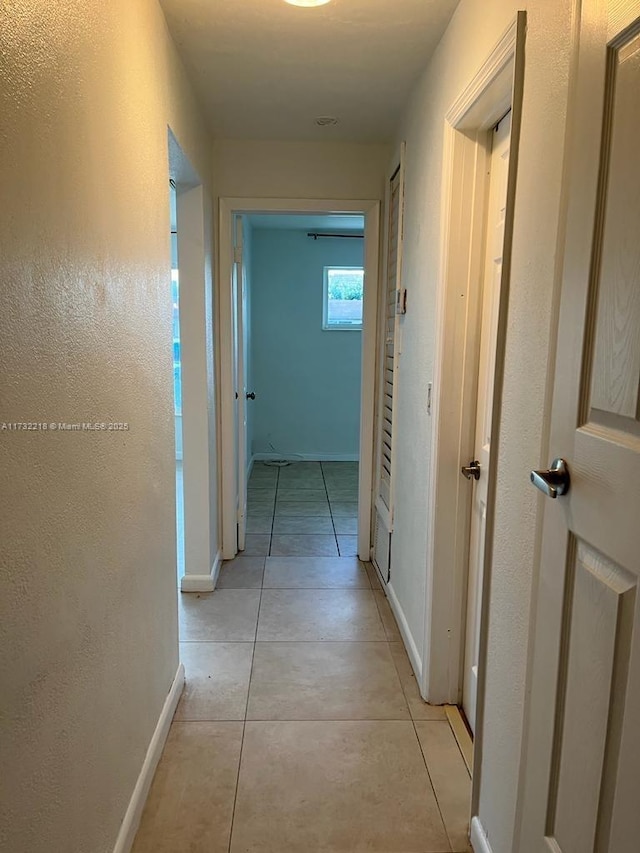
{"x": 315, "y": 236}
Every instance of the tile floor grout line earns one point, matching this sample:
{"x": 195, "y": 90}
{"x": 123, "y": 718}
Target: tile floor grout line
{"x": 273, "y": 524}
{"x": 335, "y": 535}
{"x": 244, "y": 721}
{"x": 433, "y": 787}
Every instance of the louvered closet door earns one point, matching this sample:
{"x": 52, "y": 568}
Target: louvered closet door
{"x": 389, "y": 367}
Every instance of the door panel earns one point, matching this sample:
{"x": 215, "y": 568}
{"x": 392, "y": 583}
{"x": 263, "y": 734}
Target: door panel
{"x": 598, "y": 616}
{"x": 616, "y": 362}
{"x": 582, "y": 770}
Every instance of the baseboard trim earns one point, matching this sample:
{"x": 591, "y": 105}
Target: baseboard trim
{"x": 132, "y": 816}
{"x": 306, "y": 457}
{"x": 202, "y": 583}
{"x": 479, "y": 840}
{"x": 409, "y": 642}
{"x": 250, "y": 466}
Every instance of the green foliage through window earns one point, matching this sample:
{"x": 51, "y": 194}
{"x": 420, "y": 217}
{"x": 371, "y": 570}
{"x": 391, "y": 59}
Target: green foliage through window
{"x": 343, "y": 298}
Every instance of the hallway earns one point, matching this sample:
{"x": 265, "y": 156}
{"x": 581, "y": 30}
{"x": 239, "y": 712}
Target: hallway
{"x": 301, "y": 727}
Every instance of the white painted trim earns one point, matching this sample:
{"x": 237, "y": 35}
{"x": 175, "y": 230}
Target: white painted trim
{"x": 467, "y": 110}
{"x": 202, "y": 583}
{"x": 371, "y": 211}
{"x": 290, "y": 456}
{"x": 252, "y": 462}
{"x": 479, "y": 840}
{"x": 131, "y": 820}
{"x": 481, "y": 104}
{"x": 407, "y": 636}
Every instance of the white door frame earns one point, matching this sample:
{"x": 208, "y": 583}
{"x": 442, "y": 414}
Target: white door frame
{"x": 370, "y": 209}
{"x": 495, "y": 88}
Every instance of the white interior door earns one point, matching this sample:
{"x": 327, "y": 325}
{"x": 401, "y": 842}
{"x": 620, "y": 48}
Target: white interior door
{"x": 389, "y": 367}
{"x": 239, "y": 302}
{"x": 582, "y": 770}
{"x": 495, "y": 224}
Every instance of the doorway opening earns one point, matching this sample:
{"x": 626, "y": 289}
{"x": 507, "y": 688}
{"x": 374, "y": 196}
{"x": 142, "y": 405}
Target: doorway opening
{"x": 298, "y": 368}
{"x": 478, "y": 471}
{"x": 299, "y": 282}
{"x": 177, "y": 379}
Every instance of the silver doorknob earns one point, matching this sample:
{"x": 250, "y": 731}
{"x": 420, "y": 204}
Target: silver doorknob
{"x": 471, "y": 470}
{"x": 555, "y": 481}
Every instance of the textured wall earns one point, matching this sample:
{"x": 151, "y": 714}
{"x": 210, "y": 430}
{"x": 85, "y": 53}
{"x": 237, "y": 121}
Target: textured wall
{"x": 474, "y": 30}
{"x": 307, "y": 380}
{"x": 299, "y": 169}
{"x": 88, "y": 608}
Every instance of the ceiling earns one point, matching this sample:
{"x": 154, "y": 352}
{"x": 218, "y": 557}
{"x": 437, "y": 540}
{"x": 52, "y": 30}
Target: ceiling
{"x": 308, "y": 222}
{"x": 263, "y": 69}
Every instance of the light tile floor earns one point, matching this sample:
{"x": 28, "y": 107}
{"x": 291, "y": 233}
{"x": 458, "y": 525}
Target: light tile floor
{"x": 301, "y": 728}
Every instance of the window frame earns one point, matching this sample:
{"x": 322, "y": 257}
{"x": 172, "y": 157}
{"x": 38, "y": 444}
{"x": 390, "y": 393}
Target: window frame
{"x": 338, "y": 327}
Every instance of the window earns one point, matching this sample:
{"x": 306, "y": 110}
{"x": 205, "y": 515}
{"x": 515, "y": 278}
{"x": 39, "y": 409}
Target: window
{"x": 342, "y": 300}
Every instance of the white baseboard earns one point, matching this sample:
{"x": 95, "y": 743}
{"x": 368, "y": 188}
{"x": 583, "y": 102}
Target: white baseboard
{"x": 409, "y": 642}
{"x": 202, "y": 583}
{"x": 307, "y": 457}
{"x": 250, "y": 466}
{"x": 131, "y": 820}
{"x": 479, "y": 840}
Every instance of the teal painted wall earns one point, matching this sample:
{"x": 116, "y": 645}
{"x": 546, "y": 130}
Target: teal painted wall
{"x": 307, "y": 381}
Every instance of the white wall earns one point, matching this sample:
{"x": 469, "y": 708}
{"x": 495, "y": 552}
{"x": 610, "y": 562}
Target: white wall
{"x": 88, "y": 612}
{"x": 255, "y": 169}
{"x": 307, "y": 380}
{"x": 474, "y": 30}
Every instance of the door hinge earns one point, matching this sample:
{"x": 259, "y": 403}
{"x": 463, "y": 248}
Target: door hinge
{"x": 237, "y": 255}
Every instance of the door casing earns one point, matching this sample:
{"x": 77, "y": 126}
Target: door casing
{"x": 496, "y": 87}
{"x": 228, "y": 207}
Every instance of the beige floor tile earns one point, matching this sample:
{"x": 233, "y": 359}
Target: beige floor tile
{"x": 264, "y": 494}
{"x": 295, "y": 508}
{"x": 262, "y": 480}
{"x": 335, "y": 787}
{"x": 343, "y": 524}
{"x": 314, "y": 573}
{"x": 300, "y": 481}
{"x": 344, "y": 484}
{"x": 343, "y": 508}
{"x": 319, "y": 614}
{"x": 241, "y": 573}
{"x": 259, "y": 523}
{"x": 419, "y": 709}
{"x": 348, "y": 546}
{"x": 310, "y": 544}
{"x": 261, "y": 504}
{"x": 262, "y": 488}
{"x": 297, "y": 494}
{"x": 223, "y": 616}
{"x": 388, "y": 619}
{"x": 303, "y": 524}
{"x": 325, "y": 681}
{"x": 216, "y": 681}
{"x": 349, "y": 465}
{"x": 257, "y": 545}
{"x": 190, "y": 805}
{"x": 374, "y": 580}
{"x": 450, "y": 779}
